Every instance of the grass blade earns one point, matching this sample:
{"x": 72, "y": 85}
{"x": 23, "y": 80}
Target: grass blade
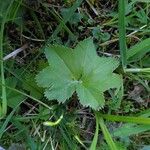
{"x": 3, "y": 109}
{"x": 122, "y": 32}
{"x": 107, "y": 135}
{"x": 7, "y": 120}
{"x": 34, "y": 99}
{"x": 94, "y": 142}
{"x": 78, "y": 139}
{"x": 11, "y": 9}
{"x": 130, "y": 129}
{"x": 138, "y": 120}
{"x": 138, "y": 51}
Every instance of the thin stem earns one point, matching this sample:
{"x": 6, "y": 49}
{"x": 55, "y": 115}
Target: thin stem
{"x": 34, "y": 99}
{"x": 137, "y": 70}
{"x": 3, "y": 108}
{"x": 122, "y": 33}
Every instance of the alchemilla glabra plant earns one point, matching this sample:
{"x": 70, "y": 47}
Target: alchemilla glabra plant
{"x": 78, "y": 70}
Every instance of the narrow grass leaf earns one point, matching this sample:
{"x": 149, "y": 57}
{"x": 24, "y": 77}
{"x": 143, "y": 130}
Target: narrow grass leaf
{"x": 122, "y": 32}
{"x": 129, "y": 130}
{"x": 3, "y": 110}
{"x": 107, "y": 135}
{"x": 95, "y": 139}
{"x": 34, "y": 99}
{"x": 7, "y": 120}
{"x": 136, "y": 52}
{"x": 67, "y": 137}
{"x": 138, "y": 120}
{"x": 145, "y": 1}
{"x": 78, "y": 139}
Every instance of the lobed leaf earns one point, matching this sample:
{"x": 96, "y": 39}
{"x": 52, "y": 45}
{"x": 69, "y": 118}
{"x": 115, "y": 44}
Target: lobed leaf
{"x": 78, "y": 70}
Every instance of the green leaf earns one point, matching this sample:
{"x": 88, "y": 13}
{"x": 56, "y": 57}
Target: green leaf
{"x": 75, "y": 19}
{"x": 119, "y": 145}
{"x": 78, "y": 70}
{"x": 138, "y": 120}
{"x": 31, "y": 86}
{"x": 122, "y": 32}
{"x": 13, "y": 98}
{"x": 95, "y": 139}
{"x": 145, "y": 1}
{"x": 138, "y": 51}
{"x": 107, "y": 135}
{"x": 130, "y": 130}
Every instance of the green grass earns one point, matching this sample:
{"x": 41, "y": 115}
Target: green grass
{"x": 122, "y": 33}
{"x": 3, "y": 107}
{"x": 28, "y": 119}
